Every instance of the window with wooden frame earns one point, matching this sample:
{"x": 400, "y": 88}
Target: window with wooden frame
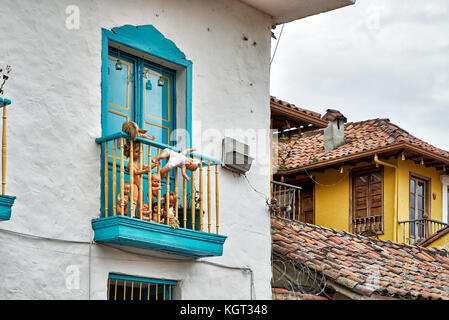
{"x": 419, "y": 205}
{"x": 124, "y": 287}
{"x": 367, "y": 201}
{"x": 307, "y": 202}
{"x": 447, "y": 204}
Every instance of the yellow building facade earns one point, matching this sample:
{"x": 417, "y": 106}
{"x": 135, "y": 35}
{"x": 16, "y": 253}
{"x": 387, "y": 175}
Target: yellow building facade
{"x": 370, "y": 177}
{"x": 332, "y": 197}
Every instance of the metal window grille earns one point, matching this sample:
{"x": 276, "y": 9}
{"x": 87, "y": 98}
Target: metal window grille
{"x": 123, "y": 287}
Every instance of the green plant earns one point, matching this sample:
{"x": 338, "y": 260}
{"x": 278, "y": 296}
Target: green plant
{"x": 4, "y": 74}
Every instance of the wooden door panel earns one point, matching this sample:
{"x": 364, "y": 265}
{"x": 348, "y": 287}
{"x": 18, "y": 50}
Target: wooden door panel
{"x": 367, "y": 200}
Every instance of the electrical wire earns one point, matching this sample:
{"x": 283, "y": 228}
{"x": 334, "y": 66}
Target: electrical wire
{"x": 35, "y": 237}
{"x": 185, "y": 260}
{"x": 267, "y": 199}
{"x": 326, "y": 185}
{"x": 277, "y": 43}
{"x": 193, "y": 260}
{"x": 32, "y": 236}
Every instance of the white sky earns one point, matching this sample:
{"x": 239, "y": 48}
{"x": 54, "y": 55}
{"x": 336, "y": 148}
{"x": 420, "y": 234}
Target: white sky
{"x": 375, "y": 59}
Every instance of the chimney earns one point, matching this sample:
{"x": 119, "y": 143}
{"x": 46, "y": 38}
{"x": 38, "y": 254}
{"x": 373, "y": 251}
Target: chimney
{"x": 334, "y": 134}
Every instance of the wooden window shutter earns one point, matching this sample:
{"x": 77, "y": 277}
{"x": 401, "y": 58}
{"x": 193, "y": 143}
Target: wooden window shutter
{"x": 367, "y": 202}
{"x": 361, "y": 192}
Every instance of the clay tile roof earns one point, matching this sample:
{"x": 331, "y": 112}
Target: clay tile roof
{"x": 366, "y": 266}
{"x": 332, "y": 114}
{"x": 283, "y": 294}
{"x": 437, "y": 235}
{"x": 295, "y": 108}
{"x": 364, "y": 136}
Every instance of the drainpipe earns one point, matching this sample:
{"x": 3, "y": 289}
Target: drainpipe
{"x": 396, "y": 194}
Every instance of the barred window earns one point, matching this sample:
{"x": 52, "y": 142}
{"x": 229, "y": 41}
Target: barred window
{"x": 124, "y": 287}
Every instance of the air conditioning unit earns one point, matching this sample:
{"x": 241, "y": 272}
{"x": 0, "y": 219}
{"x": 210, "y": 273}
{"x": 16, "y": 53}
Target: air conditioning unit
{"x": 236, "y": 156}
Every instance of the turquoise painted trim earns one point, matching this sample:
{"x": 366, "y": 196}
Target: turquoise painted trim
{"x": 4, "y": 102}
{"x": 134, "y": 102}
{"x": 116, "y": 276}
{"x": 104, "y": 78}
{"x": 149, "y": 40}
{"x": 102, "y": 183}
{"x": 133, "y": 232}
{"x": 155, "y": 144}
{"x": 6, "y": 203}
{"x": 189, "y": 105}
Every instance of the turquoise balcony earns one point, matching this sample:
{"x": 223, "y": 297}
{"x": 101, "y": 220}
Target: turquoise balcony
{"x": 191, "y": 227}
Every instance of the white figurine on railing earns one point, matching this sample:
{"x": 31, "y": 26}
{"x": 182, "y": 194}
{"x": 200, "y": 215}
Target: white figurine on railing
{"x": 176, "y": 160}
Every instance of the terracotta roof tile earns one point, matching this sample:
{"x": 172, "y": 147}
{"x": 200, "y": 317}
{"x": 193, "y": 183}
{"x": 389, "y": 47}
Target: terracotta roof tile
{"x": 369, "y": 135}
{"x": 283, "y": 294}
{"x": 365, "y": 265}
{"x": 437, "y": 235}
{"x": 293, "y": 107}
{"x": 332, "y": 114}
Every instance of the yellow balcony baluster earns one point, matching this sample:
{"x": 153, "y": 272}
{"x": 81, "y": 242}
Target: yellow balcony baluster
{"x": 176, "y": 193}
{"x": 159, "y": 191}
{"x": 192, "y": 198}
{"x": 122, "y": 179}
{"x": 149, "y": 288}
{"x": 114, "y": 178}
{"x": 4, "y": 151}
{"x": 109, "y": 287}
{"x": 184, "y": 199}
{"x": 150, "y": 189}
{"x": 209, "y": 201}
{"x": 216, "y": 196}
{"x": 132, "y": 290}
{"x": 167, "y": 199}
{"x": 124, "y": 290}
{"x": 115, "y": 290}
{"x": 140, "y": 180}
{"x": 201, "y": 194}
{"x": 106, "y": 177}
{"x": 131, "y": 180}
{"x": 140, "y": 291}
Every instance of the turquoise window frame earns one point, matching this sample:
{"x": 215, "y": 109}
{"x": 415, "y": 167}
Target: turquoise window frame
{"x": 138, "y": 88}
{"x": 152, "y": 281}
{"x": 149, "y": 40}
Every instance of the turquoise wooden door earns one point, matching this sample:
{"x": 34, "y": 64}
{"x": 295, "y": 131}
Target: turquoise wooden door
{"x": 120, "y": 94}
{"x": 135, "y": 93}
{"x": 158, "y": 116}
{"x": 158, "y": 107}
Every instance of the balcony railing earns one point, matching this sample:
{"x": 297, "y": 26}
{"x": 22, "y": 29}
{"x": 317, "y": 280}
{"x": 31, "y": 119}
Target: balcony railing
{"x": 417, "y": 230}
{"x": 367, "y": 226}
{"x": 284, "y": 200}
{"x": 6, "y": 202}
{"x": 172, "y": 205}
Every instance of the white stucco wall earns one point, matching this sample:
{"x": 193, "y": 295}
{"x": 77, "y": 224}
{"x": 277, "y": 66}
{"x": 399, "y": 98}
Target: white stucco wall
{"x": 54, "y": 164}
